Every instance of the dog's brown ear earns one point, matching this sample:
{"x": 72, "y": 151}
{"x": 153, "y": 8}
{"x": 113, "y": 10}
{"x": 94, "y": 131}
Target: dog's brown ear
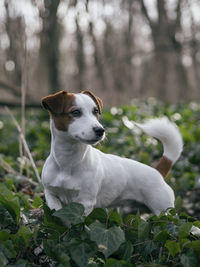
{"x": 96, "y": 99}
{"x": 55, "y": 103}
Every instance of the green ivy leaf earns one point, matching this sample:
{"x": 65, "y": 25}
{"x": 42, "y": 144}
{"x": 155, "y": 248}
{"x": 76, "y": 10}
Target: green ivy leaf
{"x": 3, "y": 260}
{"x": 125, "y": 251}
{"x": 24, "y": 200}
{"x": 64, "y": 259}
{"x": 117, "y": 263}
{"x": 173, "y": 247}
{"x": 143, "y": 230}
{"x": 10, "y": 202}
{"x": 108, "y": 240}
{"x": 4, "y": 191}
{"x": 4, "y": 234}
{"x": 130, "y": 220}
{"x": 8, "y": 249}
{"x": 81, "y": 251}
{"x": 194, "y": 244}
{"x": 184, "y": 241}
{"x": 147, "y": 248}
{"x": 97, "y": 214}
{"x": 71, "y": 214}
{"x": 189, "y": 259}
{"x": 197, "y": 223}
{"x": 35, "y": 234}
{"x": 184, "y": 230}
{"x": 50, "y": 247}
{"x": 92, "y": 264}
{"x": 26, "y": 233}
{"x": 162, "y": 236}
{"x": 6, "y": 220}
{"x": 37, "y": 202}
{"x": 115, "y": 217}
{"x": 51, "y": 221}
{"x": 178, "y": 203}
{"x": 22, "y": 237}
{"x": 172, "y": 229}
{"x": 21, "y": 263}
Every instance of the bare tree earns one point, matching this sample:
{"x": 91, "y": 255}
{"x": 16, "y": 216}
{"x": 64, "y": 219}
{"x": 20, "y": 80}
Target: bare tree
{"x": 128, "y": 41}
{"x": 194, "y": 46}
{"x": 49, "y": 44}
{"x": 111, "y": 67}
{"x": 100, "y": 73}
{"x": 166, "y": 70}
{"x": 80, "y": 56}
{"x": 15, "y": 29}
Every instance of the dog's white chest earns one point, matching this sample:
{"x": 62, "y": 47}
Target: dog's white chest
{"x": 63, "y": 180}
{"x": 67, "y": 195}
{"x": 65, "y": 187}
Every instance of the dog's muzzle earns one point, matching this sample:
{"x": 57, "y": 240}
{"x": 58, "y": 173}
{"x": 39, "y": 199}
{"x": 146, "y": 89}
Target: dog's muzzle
{"x": 99, "y": 131}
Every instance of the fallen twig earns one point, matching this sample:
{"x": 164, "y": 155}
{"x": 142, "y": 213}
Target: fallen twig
{"x": 6, "y": 166}
{"x": 24, "y": 143}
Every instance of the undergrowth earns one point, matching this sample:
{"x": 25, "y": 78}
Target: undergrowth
{"x": 33, "y": 235}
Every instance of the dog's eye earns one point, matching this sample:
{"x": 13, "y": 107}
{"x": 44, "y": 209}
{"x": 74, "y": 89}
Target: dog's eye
{"x": 76, "y": 113}
{"x": 95, "y": 111}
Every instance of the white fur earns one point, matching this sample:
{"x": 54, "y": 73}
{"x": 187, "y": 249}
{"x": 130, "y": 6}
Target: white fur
{"x": 77, "y": 172}
{"x": 168, "y": 133}
{"x": 81, "y": 129}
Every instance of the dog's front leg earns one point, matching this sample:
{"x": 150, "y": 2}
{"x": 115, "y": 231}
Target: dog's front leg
{"x": 88, "y": 209}
{"x": 52, "y": 201}
{"x": 87, "y": 203}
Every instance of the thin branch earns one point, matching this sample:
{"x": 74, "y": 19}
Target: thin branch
{"x": 6, "y": 166}
{"x": 14, "y": 89}
{"x": 178, "y": 14}
{"x": 11, "y": 171}
{"x": 146, "y": 14}
{"x": 97, "y": 56}
{"x": 21, "y": 155}
{"x": 23, "y": 101}
{"x": 10, "y": 87}
{"x": 24, "y": 143}
{"x": 18, "y": 105}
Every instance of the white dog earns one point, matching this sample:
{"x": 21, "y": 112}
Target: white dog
{"x": 77, "y": 172}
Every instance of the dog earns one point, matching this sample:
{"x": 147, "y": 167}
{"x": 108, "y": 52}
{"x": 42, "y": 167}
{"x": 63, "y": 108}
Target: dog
{"x": 75, "y": 171}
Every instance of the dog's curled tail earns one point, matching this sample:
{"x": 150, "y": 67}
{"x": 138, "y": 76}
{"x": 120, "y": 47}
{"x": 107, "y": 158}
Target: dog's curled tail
{"x": 168, "y": 133}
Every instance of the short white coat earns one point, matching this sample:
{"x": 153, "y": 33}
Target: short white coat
{"x": 75, "y": 171}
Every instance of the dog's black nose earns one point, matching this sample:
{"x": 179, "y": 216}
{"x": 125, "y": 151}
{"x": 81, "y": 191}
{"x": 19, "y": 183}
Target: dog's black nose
{"x": 99, "y": 131}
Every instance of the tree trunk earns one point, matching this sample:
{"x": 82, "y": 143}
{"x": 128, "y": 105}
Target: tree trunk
{"x": 167, "y": 76}
{"x": 49, "y": 45}
{"x": 97, "y": 56}
{"x": 80, "y": 57}
{"x": 15, "y": 28}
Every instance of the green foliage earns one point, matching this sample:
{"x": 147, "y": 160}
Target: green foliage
{"x": 68, "y": 238}
{"x": 103, "y": 238}
{"x": 71, "y": 214}
{"x": 10, "y": 202}
{"x": 108, "y": 240}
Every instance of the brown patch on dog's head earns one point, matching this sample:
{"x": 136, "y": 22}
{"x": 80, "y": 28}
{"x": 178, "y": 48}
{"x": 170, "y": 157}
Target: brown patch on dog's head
{"x": 96, "y": 99}
{"x": 59, "y": 106}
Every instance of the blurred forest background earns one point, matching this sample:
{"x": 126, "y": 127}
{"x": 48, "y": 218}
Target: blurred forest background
{"x": 119, "y": 49}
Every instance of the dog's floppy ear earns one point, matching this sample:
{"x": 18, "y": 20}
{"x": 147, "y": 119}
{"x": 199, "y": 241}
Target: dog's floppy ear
{"x": 55, "y": 103}
{"x": 96, "y": 99}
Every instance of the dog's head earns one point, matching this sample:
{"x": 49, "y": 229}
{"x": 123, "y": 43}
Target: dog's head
{"x": 77, "y": 115}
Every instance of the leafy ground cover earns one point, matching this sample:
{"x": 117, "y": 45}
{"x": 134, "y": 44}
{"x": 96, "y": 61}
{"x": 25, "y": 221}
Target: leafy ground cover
{"x": 33, "y": 235}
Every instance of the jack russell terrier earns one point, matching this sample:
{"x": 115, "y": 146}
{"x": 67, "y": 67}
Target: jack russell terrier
{"x": 77, "y": 172}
